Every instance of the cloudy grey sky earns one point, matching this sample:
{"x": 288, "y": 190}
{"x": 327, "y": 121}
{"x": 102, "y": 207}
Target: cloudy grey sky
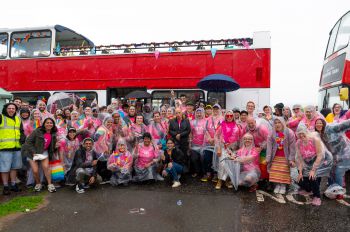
{"x": 299, "y": 29}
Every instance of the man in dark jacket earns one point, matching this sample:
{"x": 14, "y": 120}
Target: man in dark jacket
{"x": 84, "y": 166}
{"x": 180, "y": 129}
{"x": 11, "y": 139}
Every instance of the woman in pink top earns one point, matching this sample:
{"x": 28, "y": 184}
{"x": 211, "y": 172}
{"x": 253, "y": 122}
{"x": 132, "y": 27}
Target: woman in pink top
{"x": 229, "y": 135}
{"x": 157, "y": 129}
{"x": 313, "y": 162}
{"x": 248, "y": 156}
{"x": 198, "y": 131}
{"x": 147, "y": 156}
{"x": 136, "y": 131}
{"x": 120, "y": 163}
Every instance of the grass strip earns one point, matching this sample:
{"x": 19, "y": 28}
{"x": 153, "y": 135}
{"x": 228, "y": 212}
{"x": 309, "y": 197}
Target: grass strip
{"x": 21, "y": 204}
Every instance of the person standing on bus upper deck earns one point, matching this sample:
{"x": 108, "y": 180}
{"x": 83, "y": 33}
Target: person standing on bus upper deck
{"x": 190, "y": 111}
{"x": 41, "y": 105}
{"x": 11, "y": 139}
{"x": 250, "y": 108}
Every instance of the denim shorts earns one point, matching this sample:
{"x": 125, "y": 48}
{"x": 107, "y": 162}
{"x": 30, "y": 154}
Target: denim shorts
{"x": 10, "y": 160}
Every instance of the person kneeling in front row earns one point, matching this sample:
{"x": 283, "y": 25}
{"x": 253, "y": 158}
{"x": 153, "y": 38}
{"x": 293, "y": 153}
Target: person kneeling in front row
{"x": 174, "y": 162}
{"x": 84, "y": 167}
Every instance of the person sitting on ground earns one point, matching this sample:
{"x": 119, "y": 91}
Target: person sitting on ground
{"x": 84, "y": 167}
{"x": 147, "y": 157}
{"x": 173, "y": 160}
{"x": 120, "y": 163}
{"x": 248, "y": 156}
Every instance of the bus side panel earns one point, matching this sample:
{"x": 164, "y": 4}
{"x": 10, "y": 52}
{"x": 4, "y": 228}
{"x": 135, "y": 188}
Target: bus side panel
{"x": 3, "y": 75}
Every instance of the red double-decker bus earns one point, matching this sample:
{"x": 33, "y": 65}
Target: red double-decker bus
{"x": 335, "y": 76}
{"x": 37, "y": 62}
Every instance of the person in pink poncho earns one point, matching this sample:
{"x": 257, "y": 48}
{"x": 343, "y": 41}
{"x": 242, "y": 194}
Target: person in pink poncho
{"x": 146, "y": 159}
{"x": 210, "y": 139}
{"x": 248, "y": 156}
{"x": 157, "y": 129}
{"x": 136, "y": 131}
{"x": 198, "y": 131}
{"x": 41, "y": 106}
{"x": 120, "y": 129}
{"x": 260, "y": 135}
{"x": 309, "y": 119}
{"x": 34, "y": 122}
{"x": 229, "y": 135}
{"x": 67, "y": 148}
{"x": 90, "y": 123}
{"x": 120, "y": 163}
{"x": 103, "y": 146}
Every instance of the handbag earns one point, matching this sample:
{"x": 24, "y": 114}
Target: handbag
{"x": 57, "y": 172}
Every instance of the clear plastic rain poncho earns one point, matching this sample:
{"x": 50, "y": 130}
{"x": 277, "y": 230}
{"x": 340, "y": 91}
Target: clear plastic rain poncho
{"x": 310, "y": 152}
{"x": 120, "y": 163}
{"x": 198, "y": 130}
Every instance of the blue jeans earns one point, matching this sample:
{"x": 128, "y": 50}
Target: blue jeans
{"x": 337, "y": 175}
{"x": 175, "y": 170}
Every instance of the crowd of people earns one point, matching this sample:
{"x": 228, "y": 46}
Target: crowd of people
{"x": 282, "y": 149}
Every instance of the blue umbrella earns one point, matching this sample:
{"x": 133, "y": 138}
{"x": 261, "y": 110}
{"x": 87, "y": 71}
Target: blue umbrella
{"x": 218, "y": 83}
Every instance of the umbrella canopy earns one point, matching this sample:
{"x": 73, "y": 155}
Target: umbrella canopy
{"x": 233, "y": 169}
{"x": 218, "y": 83}
{"x": 138, "y": 94}
{"x": 61, "y": 100}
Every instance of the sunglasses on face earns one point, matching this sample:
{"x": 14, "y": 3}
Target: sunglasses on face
{"x": 229, "y": 116}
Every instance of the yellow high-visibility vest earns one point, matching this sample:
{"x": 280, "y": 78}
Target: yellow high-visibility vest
{"x": 10, "y": 133}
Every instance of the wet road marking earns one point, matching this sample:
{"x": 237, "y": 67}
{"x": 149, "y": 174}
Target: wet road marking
{"x": 291, "y": 198}
{"x": 259, "y": 197}
{"x": 279, "y": 197}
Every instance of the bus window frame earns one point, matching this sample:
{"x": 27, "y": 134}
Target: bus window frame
{"x": 30, "y": 31}
{"x": 7, "y": 45}
{"x": 22, "y": 95}
{"x": 341, "y": 21}
{"x": 177, "y": 93}
{"x": 224, "y": 103}
{"x": 336, "y": 37}
{"x": 79, "y": 92}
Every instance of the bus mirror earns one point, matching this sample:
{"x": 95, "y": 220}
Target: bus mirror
{"x": 344, "y": 94}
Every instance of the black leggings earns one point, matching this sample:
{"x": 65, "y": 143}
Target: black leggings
{"x": 311, "y": 185}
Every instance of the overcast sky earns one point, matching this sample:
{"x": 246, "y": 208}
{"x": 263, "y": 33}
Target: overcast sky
{"x": 299, "y": 29}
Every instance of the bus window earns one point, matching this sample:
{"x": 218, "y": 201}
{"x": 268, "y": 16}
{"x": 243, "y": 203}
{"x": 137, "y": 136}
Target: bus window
{"x": 30, "y": 44}
{"x": 331, "y": 42}
{"x": 343, "y": 33}
{"x": 214, "y": 98}
{"x": 33, "y": 97}
{"x": 192, "y": 95}
{"x": 3, "y": 45}
{"x": 87, "y": 97}
{"x": 160, "y": 98}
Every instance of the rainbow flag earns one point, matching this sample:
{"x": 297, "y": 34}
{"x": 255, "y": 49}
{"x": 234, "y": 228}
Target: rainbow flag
{"x": 36, "y": 124}
{"x": 60, "y": 123}
{"x": 57, "y": 172}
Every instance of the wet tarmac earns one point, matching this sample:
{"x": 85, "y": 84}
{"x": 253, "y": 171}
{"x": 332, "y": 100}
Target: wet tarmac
{"x": 194, "y": 206}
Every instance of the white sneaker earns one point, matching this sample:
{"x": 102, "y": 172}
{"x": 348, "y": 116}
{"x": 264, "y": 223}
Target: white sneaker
{"x": 277, "y": 188}
{"x": 176, "y": 184}
{"x": 79, "y": 189}
{"x": 51, "y": 188}
{"x": 159, "y": 177}
{"x": 38, "y": 187}
{"x": 282, "y": 189}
